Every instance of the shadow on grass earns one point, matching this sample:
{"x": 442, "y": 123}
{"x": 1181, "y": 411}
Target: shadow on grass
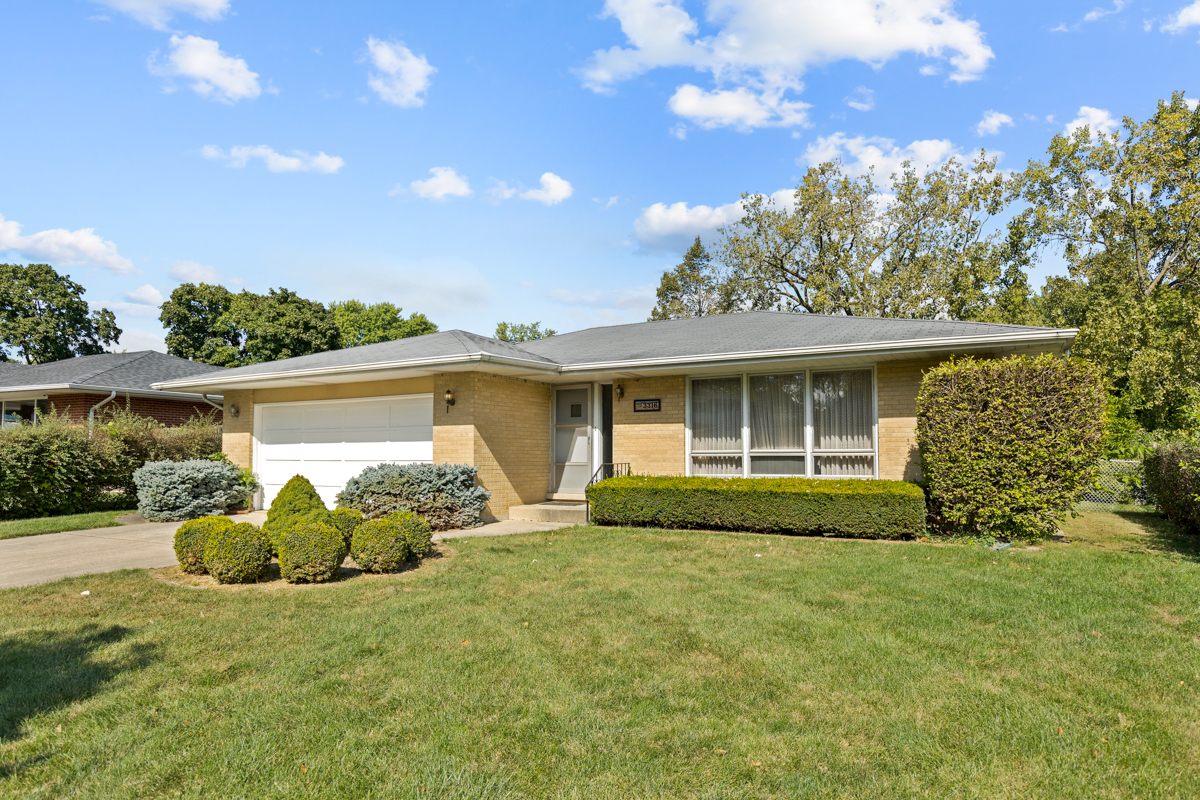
{"x": 1163, "y": 535}
{"x": 44, "y": 670}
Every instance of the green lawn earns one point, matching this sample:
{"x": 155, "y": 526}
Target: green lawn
{"x": 11, "y": 529}
{"x": 593, "y": 663}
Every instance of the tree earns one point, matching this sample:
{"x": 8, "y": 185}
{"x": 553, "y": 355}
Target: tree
{"x": 918, "y": 248}
{"x": 280, "y": 324}
{"x": 514, "y": 332}
{"x": 361, "y": 324}
{"x": 197, "y": 324}
{"x": 1124, "y": 209}
{"x": 689, "y": 290}
{"x": 43, "y": 316}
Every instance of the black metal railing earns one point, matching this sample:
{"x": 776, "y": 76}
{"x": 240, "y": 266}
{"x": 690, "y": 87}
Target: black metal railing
{"x": 620, "y": 470}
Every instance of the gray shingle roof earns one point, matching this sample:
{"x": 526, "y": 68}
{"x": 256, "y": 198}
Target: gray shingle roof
{"x": 109, "y": 370}
{"x": 750, "y": 332}
{"x": 11, "y": 366}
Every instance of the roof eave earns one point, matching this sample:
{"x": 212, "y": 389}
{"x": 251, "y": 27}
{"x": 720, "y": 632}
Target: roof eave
{"x": 382, "y": 366}
{"x": 92, "y": 388}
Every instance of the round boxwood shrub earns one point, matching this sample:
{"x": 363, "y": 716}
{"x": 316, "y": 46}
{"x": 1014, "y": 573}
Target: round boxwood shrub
{"x": 296, "y": 503}
{"x": 311, "y": 552}
{"x": 192, "y": 538}
{"x": 418, "y": 534}
{"x": 237, "y": 554}
{"x": 346, "y": 520}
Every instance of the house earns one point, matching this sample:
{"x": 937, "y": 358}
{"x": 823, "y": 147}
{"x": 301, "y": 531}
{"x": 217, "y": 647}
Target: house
{"x": 751, "y": 394}
{"x": 76, "y": 386}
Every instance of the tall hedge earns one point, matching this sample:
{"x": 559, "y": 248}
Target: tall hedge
{"x": 1173, "y": 480}
{"x": 444, "y": 494}
{"x": 869, "y": 509}
{"x": 1009, "y": 445}
{"x": 296, "y": 503}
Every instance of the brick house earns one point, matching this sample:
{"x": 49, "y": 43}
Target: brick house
{"x": 754, "y": 394}
{"x": 75, "y": 386}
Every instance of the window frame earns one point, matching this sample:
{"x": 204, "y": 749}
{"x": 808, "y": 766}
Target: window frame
{"x": 810, "y": 453}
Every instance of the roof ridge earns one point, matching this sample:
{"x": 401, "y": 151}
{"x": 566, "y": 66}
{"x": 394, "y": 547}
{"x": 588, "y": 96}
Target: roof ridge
{"x": 457, "y": 334}
{"x": 514, "y": 345}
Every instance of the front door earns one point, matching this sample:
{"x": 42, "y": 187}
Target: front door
{"x": 572, "y": 440}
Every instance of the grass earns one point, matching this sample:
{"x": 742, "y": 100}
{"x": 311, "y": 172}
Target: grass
{"x": 593, "y": 663}
{"x": 11, "y": 529}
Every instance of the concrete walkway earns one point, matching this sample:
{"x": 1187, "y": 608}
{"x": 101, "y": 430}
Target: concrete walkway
{"x": 30, "y": 560}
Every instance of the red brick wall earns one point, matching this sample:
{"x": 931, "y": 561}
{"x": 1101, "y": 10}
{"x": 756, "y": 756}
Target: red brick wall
{"x": 166, "y": 410}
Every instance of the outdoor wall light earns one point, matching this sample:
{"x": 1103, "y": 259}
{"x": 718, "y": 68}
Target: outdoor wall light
{"x": 449, "y": 399}
{"x": 234, "y": 410}
{"x": 619, "y": 391}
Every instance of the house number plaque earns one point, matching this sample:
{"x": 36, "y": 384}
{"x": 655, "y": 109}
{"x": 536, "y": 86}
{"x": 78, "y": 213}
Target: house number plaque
{"x": 647, "y": 405}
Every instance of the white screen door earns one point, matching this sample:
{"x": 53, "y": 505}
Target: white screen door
{"x": 572, "y": 440}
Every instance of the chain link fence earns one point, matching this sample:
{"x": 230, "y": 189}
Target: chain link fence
{"x": 1118, "y": 483}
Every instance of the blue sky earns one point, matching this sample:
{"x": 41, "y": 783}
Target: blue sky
{"x": 511, "y": 161}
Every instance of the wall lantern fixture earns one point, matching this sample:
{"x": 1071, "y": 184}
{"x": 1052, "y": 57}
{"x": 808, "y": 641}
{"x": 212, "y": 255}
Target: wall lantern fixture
{"x": 619, "y": 391}
{"x": 234, "y": 410}
{"x": 449, "y": 399}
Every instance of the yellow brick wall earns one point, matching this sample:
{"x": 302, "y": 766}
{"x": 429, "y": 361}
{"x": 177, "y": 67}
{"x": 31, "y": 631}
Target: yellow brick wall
{"x": 897, "y": 384}
{"x": 237, "y": 433}
{"x": 500, "y": 425}
{"x": 651, "y": 442}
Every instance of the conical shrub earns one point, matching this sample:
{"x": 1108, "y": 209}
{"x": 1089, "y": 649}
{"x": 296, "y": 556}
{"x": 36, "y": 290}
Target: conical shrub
{"x": 296, "y": 503}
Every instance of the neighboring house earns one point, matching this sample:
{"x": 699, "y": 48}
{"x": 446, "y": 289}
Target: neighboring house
{"x": 751, "y": 394}
{"x": 74, "y": 386}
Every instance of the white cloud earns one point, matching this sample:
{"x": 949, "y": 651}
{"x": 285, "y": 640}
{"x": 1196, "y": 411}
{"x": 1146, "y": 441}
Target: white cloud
{"x": 861, "y": 153}
{"x": 1186, "y": 17}
{"x": 1100, "y": 13}
{"x": 863, "y": 99}
{"x": 401, "y": 77}
{"x": 158, "y": 13}
{"x": 63, "y": 248}
{"x": 145, "y": 295}
{"x": 663, "y": 228}
{"x": 1098, "y": 119}
{"x": 1192, "y": 102}
{"x": 213, "y": 74}
{"x": 740, "y": 108}
{"x": 133, "y": 341}
{"x": 444, "y": 183}
{"x": 761, "y": 48}
{"x": 554, "y": 190}
{"x": 298, "y": 161}
{"x": 992, "y": 122}
{"x": 501, "y": 190}
{"x": 192, "y": 272}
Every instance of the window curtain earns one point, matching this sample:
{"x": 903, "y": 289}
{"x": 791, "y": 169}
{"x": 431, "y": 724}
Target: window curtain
{"x": 842, "y": 410}
{"x": 777, "y": 412}
{"x": 717, "y": 415}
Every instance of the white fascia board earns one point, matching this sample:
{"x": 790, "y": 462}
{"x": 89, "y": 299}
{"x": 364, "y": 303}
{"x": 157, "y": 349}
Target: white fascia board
{"x": 93, "y": 389}
{"x": 380, "y": 366}
{"x": 848, "y": 350}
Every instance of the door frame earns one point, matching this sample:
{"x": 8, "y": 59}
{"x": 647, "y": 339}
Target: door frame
{"x": 589, "y": 417}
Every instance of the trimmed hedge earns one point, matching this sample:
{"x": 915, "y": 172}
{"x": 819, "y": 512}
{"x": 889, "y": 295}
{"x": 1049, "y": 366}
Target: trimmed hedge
{"x": 169, "y": 491}
{"x": 237, "y": 554}
{"x": 311, "y": 552}
{"x": 1173, "y": 478}
{"x": 297, "y": 503}
{"x": 418, "y": 535}
{"x": 346, "y": 520}
{"x": 1008, "y": 446}
{"x": 869, "y": 509}
{"x": 444, "y": 494}
{"x": 192, "y": 537}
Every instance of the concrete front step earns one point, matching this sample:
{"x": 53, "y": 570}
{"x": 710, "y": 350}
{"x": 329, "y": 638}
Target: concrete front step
{"x": 551, "y": 511}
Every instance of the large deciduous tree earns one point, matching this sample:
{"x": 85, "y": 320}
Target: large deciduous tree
{"x": 1124, "y": 210}
{"x": 195, "y": 316}
{"x": 921, "y": 246}
{"x": 43, "y": 316}
{"x": 520, "y": 332}
{"x": 281, "y": 324}
{"x": 360, "y": 323}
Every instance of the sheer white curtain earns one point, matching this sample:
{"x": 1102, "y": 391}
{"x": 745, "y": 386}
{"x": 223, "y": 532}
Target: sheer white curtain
{"x": 777, "y": 412}
{"x": 842, "y": 410}
{"x": 717, "y": 426}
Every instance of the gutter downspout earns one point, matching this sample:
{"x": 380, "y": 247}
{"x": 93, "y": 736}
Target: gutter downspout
{"x": 204, "y": 396}
{"x": 92, "y": 413}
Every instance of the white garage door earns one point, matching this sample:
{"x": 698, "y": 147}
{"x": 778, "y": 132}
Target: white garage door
{"x": 329, "y": 442}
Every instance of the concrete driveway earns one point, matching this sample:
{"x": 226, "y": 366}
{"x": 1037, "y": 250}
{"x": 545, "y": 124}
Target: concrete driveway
{"x": 30, "y": 560}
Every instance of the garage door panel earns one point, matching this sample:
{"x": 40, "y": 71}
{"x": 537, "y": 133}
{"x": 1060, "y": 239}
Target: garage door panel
{"x": 331, "y": 442}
